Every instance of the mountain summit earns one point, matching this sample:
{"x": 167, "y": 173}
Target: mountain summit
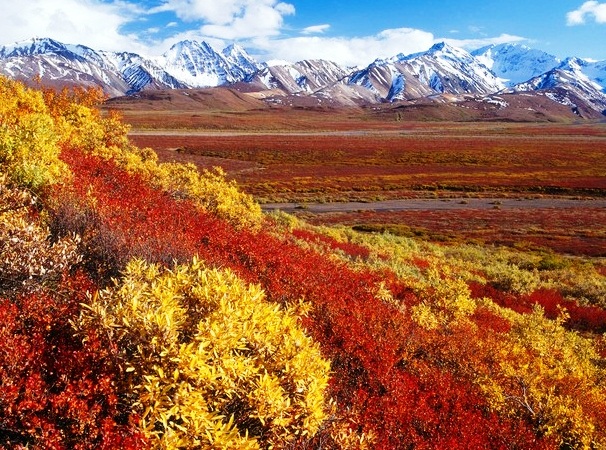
{"x": 515, "y": 63}
{"x": 197, "y": 64}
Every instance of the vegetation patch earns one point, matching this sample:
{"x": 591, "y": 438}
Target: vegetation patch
{"x": 138, "y": 311}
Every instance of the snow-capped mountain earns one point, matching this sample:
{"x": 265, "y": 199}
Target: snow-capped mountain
{"x": 138, "y": 73}
{"x": 595, "y": 71}
{"x": 570, "y": 84}
{"x": 515, "y": 63}
{"x": 441, "y": 69}
{"x": 444, "y": 73}
{"x": 240, "y": 63}
{"x": 453, "y": 70}
{"x": 187, "y": 64}
{"x": 199, "y": 65}
{"x": 60, "y": 64}
{"x": 307, "y": 77}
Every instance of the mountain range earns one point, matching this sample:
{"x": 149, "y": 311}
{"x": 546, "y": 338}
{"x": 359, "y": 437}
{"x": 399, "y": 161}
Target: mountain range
{"x": 442, "y": 73}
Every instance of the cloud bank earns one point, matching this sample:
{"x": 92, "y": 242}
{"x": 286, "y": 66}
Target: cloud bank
{"x": 258, "y": 25}
{"x": 231, "y": 19}
{"x": 590, "y": 9}
{"x": 89, "y": 22}
{"x": 347, "y": 51}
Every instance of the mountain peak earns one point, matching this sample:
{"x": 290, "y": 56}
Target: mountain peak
{"x": 189, "y": 45}
{"x": 235, "y": 53}
{"x": 573, "y": 63}
{"x": 438, "y": 47}
{"x": 514, "y": 62}
{"x": 31, "y": 47}
{"x": 443, "y": 47}
{"x": 234, "y": 49}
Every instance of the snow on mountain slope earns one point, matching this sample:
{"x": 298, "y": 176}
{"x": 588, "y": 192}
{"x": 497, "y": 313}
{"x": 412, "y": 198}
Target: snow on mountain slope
{"x": 453, "y": 70}
{"x": 515, "y": 63}
{"x": 383, "y": 79}
{"x": 595, "y": 71}
{"x": 241, "y": 64}
{"x": 570, "y": 85}
{"x": 186, "y": 64}
{"x": 138, "y": 72}
{"x": 443, "y": 72}
{"x": 199, "y": 65}
{"x": 442, "y": 69}
{"x": 196, "y": 64}
{"x": 35, "y": 46}
{"x": 59, "y": 64}
{"x": 306, "y": 76}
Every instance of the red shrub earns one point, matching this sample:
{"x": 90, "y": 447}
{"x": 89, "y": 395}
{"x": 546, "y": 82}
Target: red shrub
{"x": 420, "y": 263}
{"x": 57, "y": 392}
{"x": 582, "y": 318}
{"x": 505, "y": 299}
{"x": 487, "y": 320}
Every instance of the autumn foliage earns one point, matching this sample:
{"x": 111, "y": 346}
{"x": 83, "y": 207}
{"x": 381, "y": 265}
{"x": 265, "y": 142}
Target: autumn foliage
{"x": 168, "y": 312}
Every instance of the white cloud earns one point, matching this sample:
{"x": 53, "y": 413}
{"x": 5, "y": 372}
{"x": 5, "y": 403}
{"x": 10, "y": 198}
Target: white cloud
{"x": 472, "y": 44}
{"x": 255, "y": 24}
{"x": 231, "y": 19}
{"x": 316, "y": 29}
{"x": 94, "y": 23}
{"x": 476, "y": 29}
{"x": 347, "y": 51}
{"x": 587, "y": 9}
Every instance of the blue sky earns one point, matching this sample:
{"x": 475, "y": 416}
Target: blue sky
{"x": 349, "y": 32}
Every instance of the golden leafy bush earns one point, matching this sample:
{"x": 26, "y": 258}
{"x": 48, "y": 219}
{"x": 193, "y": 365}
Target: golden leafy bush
{"x": 29, "y": 139}
{"x": 553, "y": 376}
{"x": 82, "y": 127}
{"x": 212, "y": 191}
{"x": 213, "y": 363}
{"x": 36, "y": 125}
{"x": 445, "y": 300}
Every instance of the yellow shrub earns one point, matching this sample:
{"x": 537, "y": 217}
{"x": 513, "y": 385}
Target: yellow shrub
{"x": 445, "y": 300}
{"x": 211, "y": 191}
{"x": 29, "y": 140}
{"x": 285, "y": 221}
{"x": 552, "y": 375}
{"x": 214, "y": 364}
{"x": 35, "y": 125}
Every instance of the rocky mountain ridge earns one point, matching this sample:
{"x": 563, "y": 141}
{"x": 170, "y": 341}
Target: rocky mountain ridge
{"x": 443, "y": 70}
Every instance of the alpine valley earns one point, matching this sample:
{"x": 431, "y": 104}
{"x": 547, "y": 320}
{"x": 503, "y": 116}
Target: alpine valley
{"x": 492, "y": 79}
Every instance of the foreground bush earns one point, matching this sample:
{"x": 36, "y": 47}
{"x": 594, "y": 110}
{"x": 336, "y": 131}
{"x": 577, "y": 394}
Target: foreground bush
{"x": 28, "y": 259}
{"x": 212, "y": 364}
{"x": 35, "y": 126}
{"x": 57, "y": 390}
